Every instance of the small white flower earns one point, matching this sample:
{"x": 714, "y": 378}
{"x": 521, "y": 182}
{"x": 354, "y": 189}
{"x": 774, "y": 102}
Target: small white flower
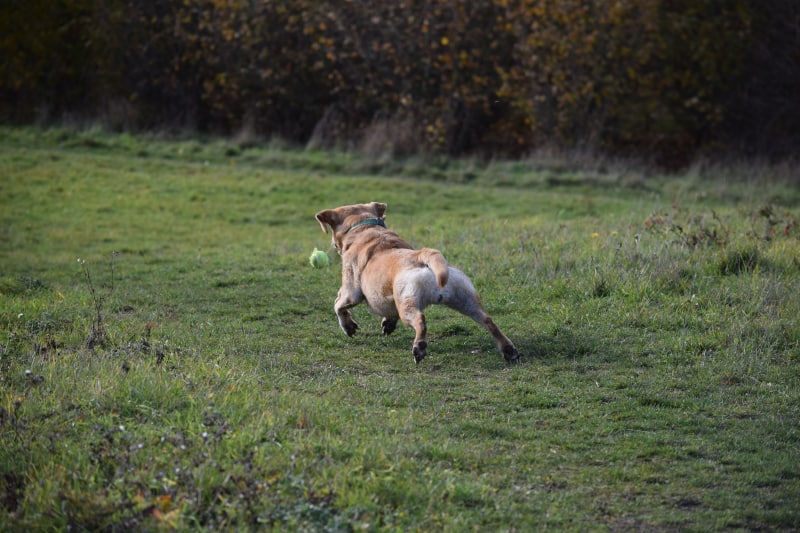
{"x": 121, "y": 427}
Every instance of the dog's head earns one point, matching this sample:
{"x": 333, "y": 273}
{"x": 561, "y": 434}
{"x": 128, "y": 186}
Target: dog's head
{"x": 343, "y": 219}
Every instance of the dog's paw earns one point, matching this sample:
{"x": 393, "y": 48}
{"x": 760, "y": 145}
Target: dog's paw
{"x": 388, "y": 325}
{"x": 349, "y": 327}
{"x": 419, "y": 351}
{"x": 352, "y": 327}
{"x": 511, "y": 354}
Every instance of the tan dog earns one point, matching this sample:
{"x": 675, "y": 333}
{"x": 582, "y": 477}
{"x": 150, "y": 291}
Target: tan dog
{"x": 396, "y": 281}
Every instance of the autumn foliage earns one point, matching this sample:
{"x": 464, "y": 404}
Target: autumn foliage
{"x": 491, "y": 76}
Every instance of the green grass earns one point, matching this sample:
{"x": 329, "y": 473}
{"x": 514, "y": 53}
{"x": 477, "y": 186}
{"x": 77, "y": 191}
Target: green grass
{"x": 657, "y": 315}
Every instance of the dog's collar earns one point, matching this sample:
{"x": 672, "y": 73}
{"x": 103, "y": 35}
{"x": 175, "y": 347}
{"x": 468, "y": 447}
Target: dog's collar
{"x": 369, "y": 221}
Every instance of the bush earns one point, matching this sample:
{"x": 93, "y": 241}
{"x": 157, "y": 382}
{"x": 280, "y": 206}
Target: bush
{"x": 654, "y": 76}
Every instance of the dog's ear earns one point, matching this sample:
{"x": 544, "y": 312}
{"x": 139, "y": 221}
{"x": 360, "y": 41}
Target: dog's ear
{"x": 327, "y": 218}
{"x": 379, "y": 209}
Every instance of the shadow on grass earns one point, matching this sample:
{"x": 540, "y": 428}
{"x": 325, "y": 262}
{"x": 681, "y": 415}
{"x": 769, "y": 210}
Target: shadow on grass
{"x": 564, "y": 343}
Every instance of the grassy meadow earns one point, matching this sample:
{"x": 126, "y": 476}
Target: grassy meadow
{"x": 169, "y": 359}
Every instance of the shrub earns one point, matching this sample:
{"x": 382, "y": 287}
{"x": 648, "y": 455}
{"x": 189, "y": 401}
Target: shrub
{"x": 654, "y": 76}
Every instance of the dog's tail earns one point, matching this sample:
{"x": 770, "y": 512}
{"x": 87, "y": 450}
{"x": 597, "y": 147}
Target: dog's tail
{"x": 434, "y": 260}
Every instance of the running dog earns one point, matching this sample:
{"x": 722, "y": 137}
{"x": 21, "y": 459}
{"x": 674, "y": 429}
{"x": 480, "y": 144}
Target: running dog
{"x": 396, "y": 281}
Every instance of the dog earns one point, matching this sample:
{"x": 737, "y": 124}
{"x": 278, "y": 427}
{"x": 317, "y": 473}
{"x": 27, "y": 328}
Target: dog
{"x": 396, "y": 281}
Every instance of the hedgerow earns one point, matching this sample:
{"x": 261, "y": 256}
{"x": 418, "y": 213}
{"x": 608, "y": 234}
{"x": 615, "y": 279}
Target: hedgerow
{"x": 667, "y": 77}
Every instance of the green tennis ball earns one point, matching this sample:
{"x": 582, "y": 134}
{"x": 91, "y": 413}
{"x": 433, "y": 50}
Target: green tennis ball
{"x": 319, "y": 259}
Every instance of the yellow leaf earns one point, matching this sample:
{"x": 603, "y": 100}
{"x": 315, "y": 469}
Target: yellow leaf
{"x": 170, "y": 519}
{"x": 164, "y": 502}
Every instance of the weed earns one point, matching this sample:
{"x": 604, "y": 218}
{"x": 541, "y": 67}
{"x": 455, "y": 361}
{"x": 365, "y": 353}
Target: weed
{"x": 740, "y": 261}
{"x": 774, "y": 222}
{"x": 690, "y": 230}
{"x": 601, "y": 287}
{"x": 98, "y": 335}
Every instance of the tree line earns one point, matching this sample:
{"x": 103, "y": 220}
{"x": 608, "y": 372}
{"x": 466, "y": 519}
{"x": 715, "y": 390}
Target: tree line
{"x": 666, "y": 77}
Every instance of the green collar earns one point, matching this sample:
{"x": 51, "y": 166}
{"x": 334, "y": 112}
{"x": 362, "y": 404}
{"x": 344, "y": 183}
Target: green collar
{"x": 373, "y": 221}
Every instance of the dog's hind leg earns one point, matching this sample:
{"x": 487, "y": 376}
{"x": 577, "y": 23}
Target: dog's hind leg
{"x": 413, "y": 317}
{"x": 506, "y": 347}
{"x": 504, "y": 344}
{"x": 464, "y": 299}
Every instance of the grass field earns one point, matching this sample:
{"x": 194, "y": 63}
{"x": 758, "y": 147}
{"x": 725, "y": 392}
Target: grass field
{"x": 169, "y": 360}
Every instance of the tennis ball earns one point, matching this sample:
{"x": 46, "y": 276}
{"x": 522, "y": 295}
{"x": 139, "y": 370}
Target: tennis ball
{"x": 319, "y": 259}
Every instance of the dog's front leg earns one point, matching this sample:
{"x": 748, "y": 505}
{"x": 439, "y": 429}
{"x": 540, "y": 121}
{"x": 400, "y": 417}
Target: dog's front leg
{"x": 346, "y": 299}
{"x": 388, "y": 325}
